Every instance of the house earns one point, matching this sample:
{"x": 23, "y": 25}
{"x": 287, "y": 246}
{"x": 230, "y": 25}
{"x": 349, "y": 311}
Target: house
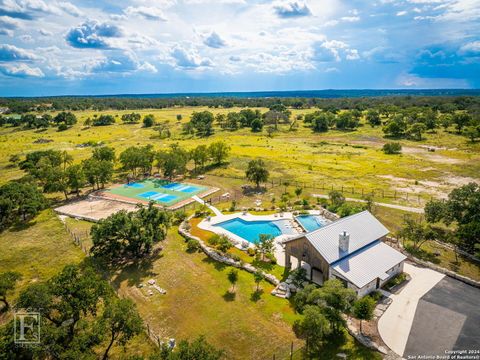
{"x": 350, "y": 249}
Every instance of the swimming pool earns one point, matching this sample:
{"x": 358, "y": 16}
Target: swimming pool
{"x": 251, "y": 230}
{"x": 312, "y": 222}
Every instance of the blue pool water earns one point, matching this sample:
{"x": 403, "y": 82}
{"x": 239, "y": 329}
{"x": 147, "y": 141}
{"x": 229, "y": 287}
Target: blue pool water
{"x": 250, "y": 230}
{"x": 136, "y": 185}
{"x": 311, "y": 222}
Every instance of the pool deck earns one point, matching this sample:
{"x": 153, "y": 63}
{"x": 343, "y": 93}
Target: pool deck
{"x": 243, "y": 244}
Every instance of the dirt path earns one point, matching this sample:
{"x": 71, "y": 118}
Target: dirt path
{"x": 392, "y": 206}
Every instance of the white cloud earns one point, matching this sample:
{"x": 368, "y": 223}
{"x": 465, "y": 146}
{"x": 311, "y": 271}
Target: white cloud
{"x": 214, "y": 41}
{"x": 402, "y": 13}
{"x": 189, "y": 59}
{"x": 470, "y": 49}
{"x": 20, "y": 70}
{"x": 149, "y": 13}
{"x": 70, "y": 9}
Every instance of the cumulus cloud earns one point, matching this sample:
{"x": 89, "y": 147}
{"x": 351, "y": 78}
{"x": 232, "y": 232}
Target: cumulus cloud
{"x": 92, "y": 34}
{"x": 189, "y": 59}
{"x": 291, "y": 9}
{"x": 20, "y": 70}
{"x": 27, "y": 9}
{"x": 122, "y": 63}
{"x": 149, "y": 13}
{"x": 13, "y": 53}
{"x": 70, "y": 9}
{"x": 470, "y": 49}
{"x": 214, "y": 41}
{"x": 8, "y": 25}
{"x": 333, "y": 50}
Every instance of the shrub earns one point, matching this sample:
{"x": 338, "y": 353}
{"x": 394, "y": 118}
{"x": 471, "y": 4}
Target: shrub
{"x": 251, "y": 251}
{"x": 235, "y": 257}
{"x": 392, "y": 148}
{"x": 62, "y": 127}
{"x": 193, "y": 245}
{"x": 271, "y": 258}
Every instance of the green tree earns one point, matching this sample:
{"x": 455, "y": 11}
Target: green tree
{"x": 313, "y": 327}
{"x": 265, "y": 244}
{"x": 395, "y": 127}
{"x": 460, "y": 209}
{"x": 416, "y": 232}
{"x": 392, "y": 148}
{"x": 104, "y": 153}
{"x": 103, "y": 120}
{"x": 138, "y": 158}
{"x": 172, "y": 162}
{"x": 125, "y": 235}
{"x": 257, "y": 172}
{"x": 202, "y": 122}
{"x": 233, "y": 277}
{"x": 219, "y": 152}
{"x": 121, "y": 321}
{"x": 7, "y": 283}
{"x": 258, "y": 277}
{"x": 472, "y": 132}
{"x": 256, "y": 125}
{"x": 198, "y": 349}
{"x": 148, "y": 120}
{"x": 19, "y": 201}
{"x": 132, "y": 118}
{"x": 363, "y": 309}
{"x": 373, "y": 118}
{"x": 336, "y": 198}
{"x": 415, "y": 131}
{"x": 75, "y": 177}
{"x": 461, "y": 120}
{"x": 97, "y": 172}
{"x": 199, "y": 155}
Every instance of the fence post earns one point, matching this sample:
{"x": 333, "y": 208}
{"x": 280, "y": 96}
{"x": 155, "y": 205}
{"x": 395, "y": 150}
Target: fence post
{"x": 291, "y": 350}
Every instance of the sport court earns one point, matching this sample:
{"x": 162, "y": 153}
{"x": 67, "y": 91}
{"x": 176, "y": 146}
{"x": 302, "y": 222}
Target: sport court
{"x": 162, "y": 192}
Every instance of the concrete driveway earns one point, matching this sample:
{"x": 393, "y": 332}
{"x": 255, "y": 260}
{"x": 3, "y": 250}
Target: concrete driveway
{"x": 395, "y": 324}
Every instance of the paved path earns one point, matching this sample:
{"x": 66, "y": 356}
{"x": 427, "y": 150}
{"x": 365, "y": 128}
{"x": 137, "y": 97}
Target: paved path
{"x": 392, "y": 206}
{"x": 395, "y": 324}
{"x": 211, "y": 207}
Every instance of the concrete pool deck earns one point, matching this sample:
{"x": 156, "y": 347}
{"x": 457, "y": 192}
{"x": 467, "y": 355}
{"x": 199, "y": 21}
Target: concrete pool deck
{"x": 243, "y": 244}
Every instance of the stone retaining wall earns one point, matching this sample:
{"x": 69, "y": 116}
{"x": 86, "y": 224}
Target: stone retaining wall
{"x": 215, "y": 255}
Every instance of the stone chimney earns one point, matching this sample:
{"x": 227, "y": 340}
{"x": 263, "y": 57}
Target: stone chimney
{"x": 343, "y": 240}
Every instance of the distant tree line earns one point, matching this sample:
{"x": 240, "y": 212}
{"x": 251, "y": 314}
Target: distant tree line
{"x": 438, "y": 103}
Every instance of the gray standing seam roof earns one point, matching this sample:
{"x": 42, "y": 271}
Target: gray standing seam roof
{"x": 369, "y": 263}
{"x": 363, "y": 228}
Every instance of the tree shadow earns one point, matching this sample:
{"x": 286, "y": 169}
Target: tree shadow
{"x": 21, "y": 226}
{"x": 219, "y": 266}
{"x": 256, "y": 295}
{"x": 229, "y": 296}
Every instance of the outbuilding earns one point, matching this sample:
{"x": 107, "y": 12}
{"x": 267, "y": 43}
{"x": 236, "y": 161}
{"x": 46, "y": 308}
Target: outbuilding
{"x": 350, "y": 249}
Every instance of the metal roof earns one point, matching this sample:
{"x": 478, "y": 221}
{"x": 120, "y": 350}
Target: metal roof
{"x": 363, "y": 228}
{"x": 369, "y": 263}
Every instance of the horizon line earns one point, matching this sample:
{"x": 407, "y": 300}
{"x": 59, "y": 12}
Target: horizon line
{"x": 219, "y": 93}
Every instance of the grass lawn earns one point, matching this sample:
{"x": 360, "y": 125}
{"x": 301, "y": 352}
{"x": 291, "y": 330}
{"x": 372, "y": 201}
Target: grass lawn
{"x": 198, "y": 302}
{"x": 38, "y": 251}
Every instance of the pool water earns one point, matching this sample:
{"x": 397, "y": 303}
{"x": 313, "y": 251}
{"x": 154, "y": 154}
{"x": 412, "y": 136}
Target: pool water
{"x": 250, "y": 230}
{"x": 311, "y": 222}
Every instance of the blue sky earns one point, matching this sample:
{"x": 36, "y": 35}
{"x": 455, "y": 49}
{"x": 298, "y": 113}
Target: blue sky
{"x": 56, "y": 47}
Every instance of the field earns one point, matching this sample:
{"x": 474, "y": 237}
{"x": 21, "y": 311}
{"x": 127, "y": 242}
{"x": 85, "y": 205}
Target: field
{"x": 338, "y": 158}
{"x": 197, "y": 301}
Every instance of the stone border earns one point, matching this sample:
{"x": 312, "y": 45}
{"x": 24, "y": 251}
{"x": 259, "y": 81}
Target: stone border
{"x": 182, "y": 229}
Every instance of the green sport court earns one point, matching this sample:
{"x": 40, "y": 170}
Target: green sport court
{"x": 162, "y": 192}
